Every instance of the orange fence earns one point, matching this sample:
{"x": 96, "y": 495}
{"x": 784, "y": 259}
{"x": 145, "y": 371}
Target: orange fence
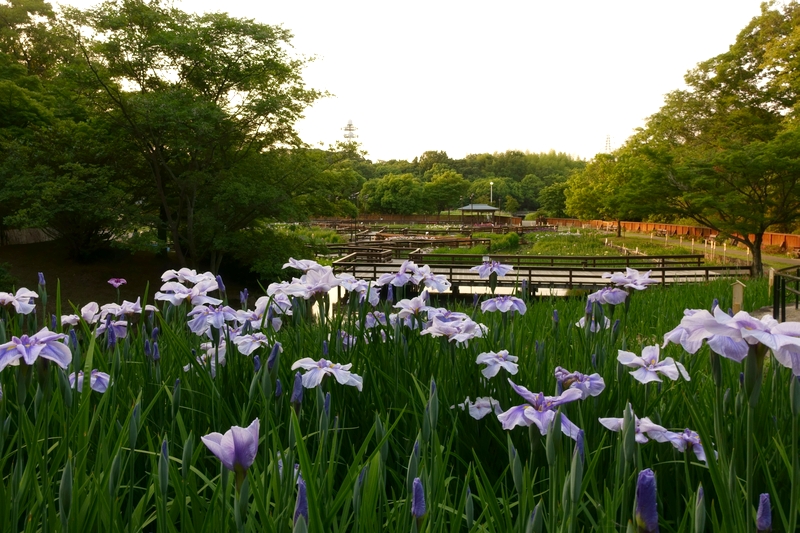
{"x": 787, "y": 241}
{"x": 454, "y": 218}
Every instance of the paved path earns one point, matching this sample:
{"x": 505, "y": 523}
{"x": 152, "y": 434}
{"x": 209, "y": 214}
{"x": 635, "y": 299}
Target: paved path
{"x": 780, "y": 261}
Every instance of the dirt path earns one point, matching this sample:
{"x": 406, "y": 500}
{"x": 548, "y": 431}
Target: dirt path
{"x": 775, "y": 261}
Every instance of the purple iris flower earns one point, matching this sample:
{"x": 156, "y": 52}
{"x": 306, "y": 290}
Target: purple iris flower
{"x": 399, "y": 278}
{"x": 22, "y": 300}
{"x": 243, "y": 294}
{"x": 237, "y": 448}
{"x": 764, "y": 515}
{"x": 594, "y": 326}
{"x": 42, "y": 282}
{"x": 45, "y": 344}
{"x": 219, "y": 282}
{"x": 418, "y": 509}
{"x": 460, "y": 331}
{"x": 412, "y": 307}
{"x": 648, "y": 366}
{"x": 374, "y": 318}
{"x": 117, "y": 328}
{"x": 279, "y": 388}
{"x": 98, "y": 381}
{"x": 644, "y": 428}
{"x": 684, "y": 440}
{"x": 206, "y": 317}
{"x": 540, "y": 410}
{"x": 247, "y": 344}
{"x": 631, "y": 279}
{"x": 176, "y": 294}
{"x": 504, "y": 304}
{"x": 646, "y": 513}
{"x": 589, "y": 385}
{"x": 608, "y": 295}
{"x": 316, "y": 370}
{"x": 301, "y": 505}
{"x": 187, "y": 275}
{"x": 117, "y": 282}
{"x": 423, "y": 275}
{"x": 491, "y": 267}
{"x": 256, "y": 364}
{"x": 496, "y": 361}
{"x": 348, "y": 341}
{"x": 480, "y": 407}
{"x": 302, "y": 264}
{"x": 731, "y": 336}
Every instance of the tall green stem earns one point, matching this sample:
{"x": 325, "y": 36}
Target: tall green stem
{"x": 750, "y": 523}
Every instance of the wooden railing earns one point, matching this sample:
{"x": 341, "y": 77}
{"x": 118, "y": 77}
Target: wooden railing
{"x": 633, "y": 261}
{"x": 545, "y": 276}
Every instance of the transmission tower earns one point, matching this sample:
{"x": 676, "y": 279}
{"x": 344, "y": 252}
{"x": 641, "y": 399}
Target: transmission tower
{"x": 608, "y": 144}
{"x": 350, "y": 132}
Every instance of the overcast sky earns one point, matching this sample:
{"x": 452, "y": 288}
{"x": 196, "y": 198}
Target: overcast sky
{"x": 472, "y": 77}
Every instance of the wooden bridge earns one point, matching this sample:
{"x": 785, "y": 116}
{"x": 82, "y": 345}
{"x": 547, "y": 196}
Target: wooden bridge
{"x": 547, "y": 272}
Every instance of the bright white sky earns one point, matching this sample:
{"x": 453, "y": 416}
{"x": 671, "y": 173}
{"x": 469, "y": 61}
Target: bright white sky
{"x": 473, "y": 77}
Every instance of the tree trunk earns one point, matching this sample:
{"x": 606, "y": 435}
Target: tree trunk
{"x": 193, "y": 258}
{"x": 171, "y": 222}
{"x": 619, "y": 228}
{"x": 757, "y": 268}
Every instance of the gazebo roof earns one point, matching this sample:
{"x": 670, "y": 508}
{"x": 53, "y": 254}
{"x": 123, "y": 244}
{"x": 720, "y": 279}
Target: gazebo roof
{"x": 478, "y": 207}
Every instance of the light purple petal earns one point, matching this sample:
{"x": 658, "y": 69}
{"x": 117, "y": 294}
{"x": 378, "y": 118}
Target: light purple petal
{"x": 223, "y": 449}
{"x": 643, "y": 375}
{"x": 630, "y": 359}
{"x": 245, "y": 441}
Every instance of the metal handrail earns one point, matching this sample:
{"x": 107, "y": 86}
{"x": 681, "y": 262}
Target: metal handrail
{"x": 780, "y": 286}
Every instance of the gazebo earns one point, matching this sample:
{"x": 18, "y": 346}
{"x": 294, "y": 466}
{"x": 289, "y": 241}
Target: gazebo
{"x": 478, "y": 208}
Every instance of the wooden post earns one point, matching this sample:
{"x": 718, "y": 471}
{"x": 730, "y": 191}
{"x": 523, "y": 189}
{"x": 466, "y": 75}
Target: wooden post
{"x": 738, "y": 295}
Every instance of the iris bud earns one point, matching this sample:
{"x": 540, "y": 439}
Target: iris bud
{"x": 301, "y": 505}
{"x": 163, "y": 468}
{"x": 418, "y": 508}
{"x": 65, "y": 494}
{"x": 764, "y": 515}
{"x": 646, "y": 512}
{"x": 700, "y": 511}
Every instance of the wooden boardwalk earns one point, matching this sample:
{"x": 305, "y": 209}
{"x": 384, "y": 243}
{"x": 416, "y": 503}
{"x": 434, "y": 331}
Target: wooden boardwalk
{"x": 569, "y": 273}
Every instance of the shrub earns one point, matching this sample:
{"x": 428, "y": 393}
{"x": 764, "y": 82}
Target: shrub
{"x": 500, "y": 242}
{"x": 263, "y": 251}
{"x": 7, "y": 281}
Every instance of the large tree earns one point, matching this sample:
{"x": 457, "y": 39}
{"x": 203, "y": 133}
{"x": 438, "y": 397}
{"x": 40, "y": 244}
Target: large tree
{"x": 444, "y": 190}
{"x": 728, "y": 146}
{"x": 202, "y": 97}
